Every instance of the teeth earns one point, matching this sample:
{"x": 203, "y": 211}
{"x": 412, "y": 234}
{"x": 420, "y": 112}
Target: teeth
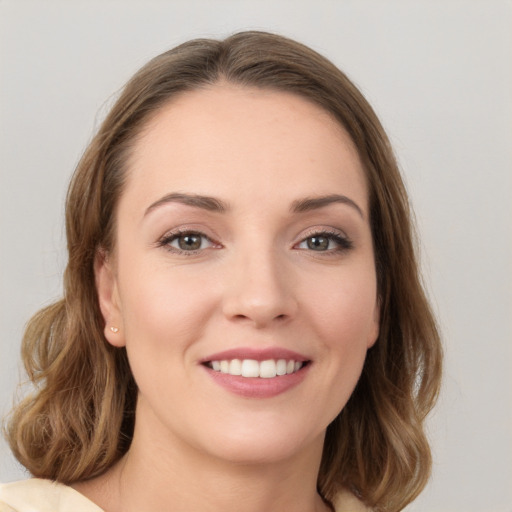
{"x": 235, "y": 367}
{"x": 251, "y": 368}
{"x": 281, "y": 367}
{"x": 268, "y": 369}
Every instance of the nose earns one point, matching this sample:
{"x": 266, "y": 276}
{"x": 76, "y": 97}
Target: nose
{"x": 259, "y": 290}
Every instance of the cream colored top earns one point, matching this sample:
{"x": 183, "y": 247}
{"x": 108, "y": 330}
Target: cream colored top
{"x": 37, "y": 495}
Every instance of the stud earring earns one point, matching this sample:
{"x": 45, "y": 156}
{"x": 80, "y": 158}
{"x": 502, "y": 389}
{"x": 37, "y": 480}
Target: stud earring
{"x": 115, "y": 330}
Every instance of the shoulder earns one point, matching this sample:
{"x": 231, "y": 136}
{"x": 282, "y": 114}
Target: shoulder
{"x": 51, "y": 496}
{"x": 346, "y": 502}
{"x": 48, "y": 496}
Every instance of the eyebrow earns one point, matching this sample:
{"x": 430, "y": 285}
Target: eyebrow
{"x": 204, "y": 202}
{"x": 216, "y": 205}
{"x": 314, "y": 203}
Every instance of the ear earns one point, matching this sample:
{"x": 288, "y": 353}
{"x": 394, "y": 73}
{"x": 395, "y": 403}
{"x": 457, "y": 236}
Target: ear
{"x": 375, "y": 327}
{"x": 108, "y": 297}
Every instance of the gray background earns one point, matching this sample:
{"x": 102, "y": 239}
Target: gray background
{"x": 439, "y": 74}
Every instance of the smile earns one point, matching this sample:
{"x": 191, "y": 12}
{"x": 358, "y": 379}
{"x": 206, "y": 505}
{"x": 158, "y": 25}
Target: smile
{"x": 251, "y": 368}
{"x": 257, "y": 372}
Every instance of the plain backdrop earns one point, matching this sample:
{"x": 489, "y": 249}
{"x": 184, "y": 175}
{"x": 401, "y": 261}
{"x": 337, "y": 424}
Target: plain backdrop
{"x": 439, "y": 74}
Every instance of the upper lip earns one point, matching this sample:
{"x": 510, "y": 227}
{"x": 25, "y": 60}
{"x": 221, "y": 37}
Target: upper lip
{"x": 257, "y": 354}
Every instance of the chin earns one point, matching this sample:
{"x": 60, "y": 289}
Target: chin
{"x": 264, "y": 445}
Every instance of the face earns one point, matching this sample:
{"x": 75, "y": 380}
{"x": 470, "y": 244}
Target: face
{"x": 243, "y": 280}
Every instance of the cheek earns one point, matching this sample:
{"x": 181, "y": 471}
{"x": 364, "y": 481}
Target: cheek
{"x": 344, "y": 317}
{"x": 165, "y": 308}
{"x": 345, "y": 309}
{"x": 341, "y": 312}
{"x": 164, "y": 314}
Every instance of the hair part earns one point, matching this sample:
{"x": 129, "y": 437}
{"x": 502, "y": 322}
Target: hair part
{"x": 80, "y": 419}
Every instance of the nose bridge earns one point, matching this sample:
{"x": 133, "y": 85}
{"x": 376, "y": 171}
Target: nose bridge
{"x": 259, "y": 288}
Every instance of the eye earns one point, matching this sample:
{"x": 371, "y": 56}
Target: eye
{"x": 186, "y": 241}
{"x": 325, "y": 242}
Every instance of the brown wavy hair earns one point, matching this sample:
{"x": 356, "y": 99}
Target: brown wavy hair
{"x": 79, "y": 421}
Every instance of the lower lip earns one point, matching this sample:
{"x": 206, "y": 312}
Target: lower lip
{"x": 256, "y": 387}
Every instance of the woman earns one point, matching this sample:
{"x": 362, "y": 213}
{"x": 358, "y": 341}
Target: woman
{"x": 243, "y": 325}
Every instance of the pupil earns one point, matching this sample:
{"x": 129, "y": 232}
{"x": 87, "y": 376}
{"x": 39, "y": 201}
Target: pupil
{"x": 318, "y": 243}
{"x": 189, "y": 242}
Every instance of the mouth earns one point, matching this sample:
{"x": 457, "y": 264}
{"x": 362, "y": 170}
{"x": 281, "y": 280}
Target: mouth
{"x": 257, "y": 372}
{"x": 252, "y": 368}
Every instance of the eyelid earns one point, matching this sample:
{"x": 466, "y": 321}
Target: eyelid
{"x": 340, "y": 237}
{"x": 165, "y": 240}
{"x": 344, "y": 243}
{"x": 323, "y": 230}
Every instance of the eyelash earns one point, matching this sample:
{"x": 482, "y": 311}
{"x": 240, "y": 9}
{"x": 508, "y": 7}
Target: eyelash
{"x": 166, "y": 241}
{"x": 343, "y": 243}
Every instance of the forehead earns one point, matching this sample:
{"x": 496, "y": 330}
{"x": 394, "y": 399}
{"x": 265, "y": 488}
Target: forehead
{"x": 258, "y": 142}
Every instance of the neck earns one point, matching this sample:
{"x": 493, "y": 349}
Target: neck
{"x": 171, "y": 475}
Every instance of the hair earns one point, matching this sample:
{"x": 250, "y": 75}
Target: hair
{"x": 79, "y": 420}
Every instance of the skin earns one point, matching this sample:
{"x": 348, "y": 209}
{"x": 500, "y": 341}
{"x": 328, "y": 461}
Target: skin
{"x": 254, "y": 282}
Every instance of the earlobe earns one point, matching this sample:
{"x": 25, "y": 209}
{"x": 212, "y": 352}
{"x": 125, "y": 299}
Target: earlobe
{"x": 108, "y": 298}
